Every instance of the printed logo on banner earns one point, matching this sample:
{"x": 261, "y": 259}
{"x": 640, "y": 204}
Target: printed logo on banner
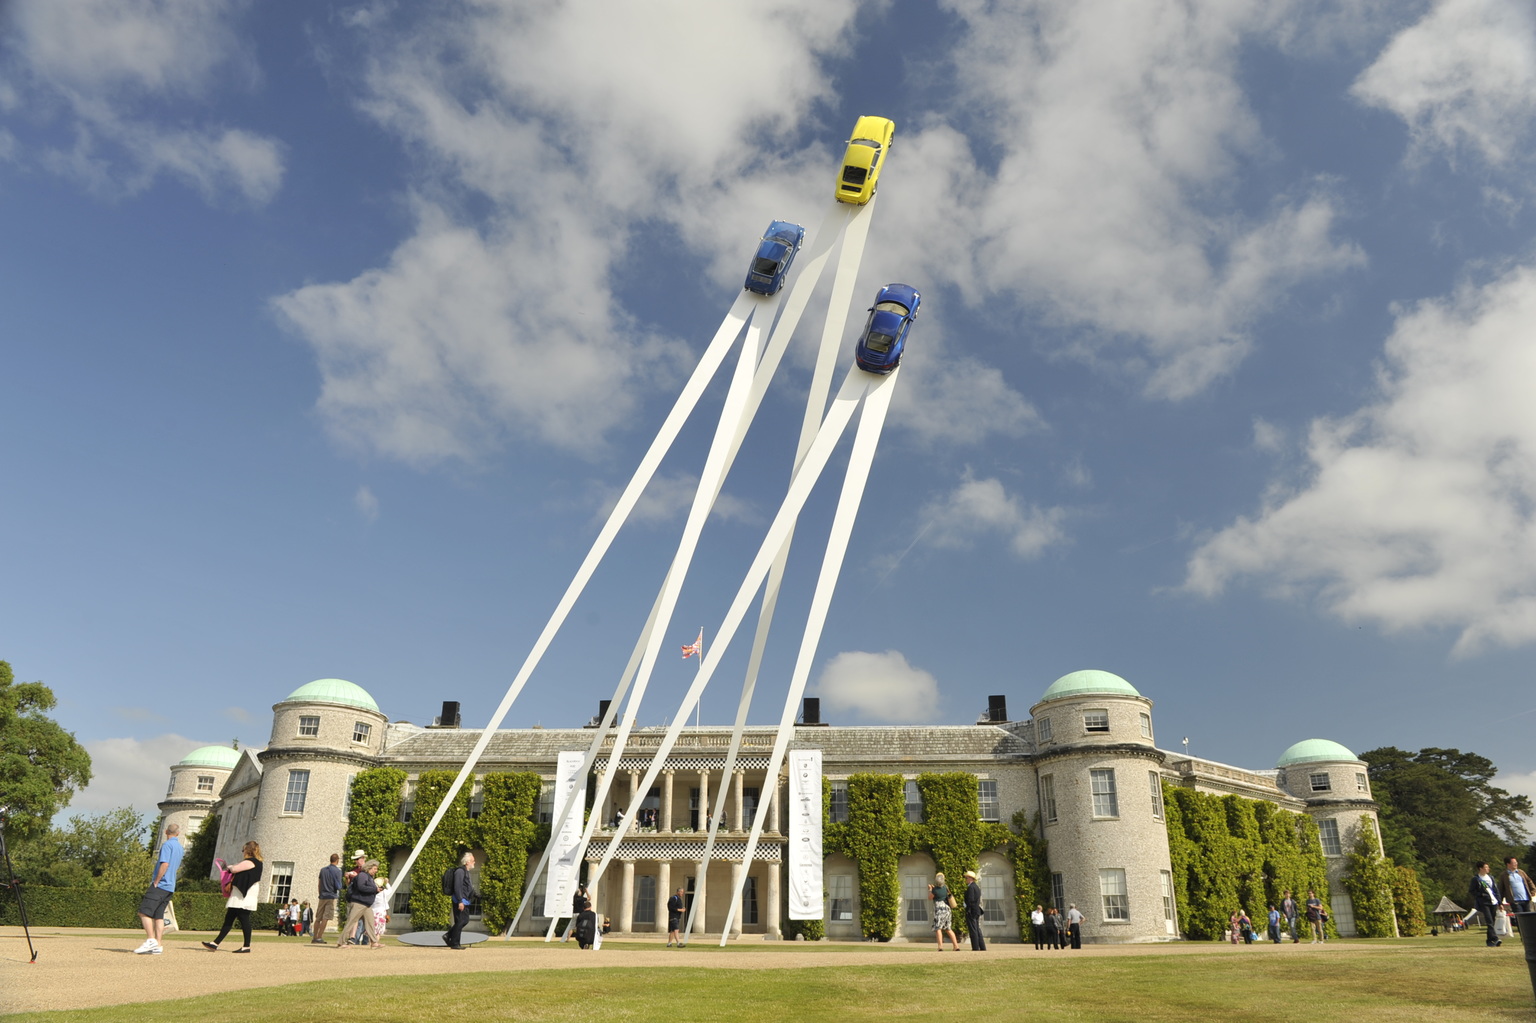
{"x": 564, "y": 871}
{"x": 805, "y": 835}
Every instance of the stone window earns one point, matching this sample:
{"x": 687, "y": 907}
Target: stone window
{"x": 298, "y": 792}
{"x": 914, "y": 803}
{"x": 546, "y": 802}
{"x": 408, "y": 804}
{"x": 749, "y": 902}
{"x": 914, "y": 896}
{"x": 171, "y": 788}
{"x": 1095, "y": 720}
{"x": 205, "y": 782}
{"x": 986, "y": 799}
{"x": 1048, "y": 798}
{"x": 1320, "y": 782}
{"x": 1328, "y": 832}
{"x": 838, "y": 810}
{"x": 1155, "y": 780}
{"x": 1146, "y": 725}
{"x": 1059, "y": 891}
{"x": 645, "y": 899}
{"x": 1043, "y": 729}
{"x": 282, "y": 882}
{"x": 994, "y": 893}
{"x": 309, "y": 725}
{"x": 346, "y": 800}
{"x": 1167, "y": 879}
{"x": 840, "y": 893}
{"x": 1362, "y": 784}
{"x": 476, "y": 801}
{"x": 1112, "y": 890}
{"x": 1105, "y": 802}
{"x": 361, "y": 730}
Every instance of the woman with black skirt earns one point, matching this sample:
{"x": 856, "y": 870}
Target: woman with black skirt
{"x": 244, "y": 890}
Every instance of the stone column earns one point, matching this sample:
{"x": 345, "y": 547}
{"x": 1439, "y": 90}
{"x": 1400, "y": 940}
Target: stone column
{"x": 739, "y": 783}
{"x": 627, "y": 898}
{"x": 634, "y": 790}
{"x": 700, "y": 888}
{"x": 771, "y": 790}
{"x": 663, "y": 890}
{"x": 703, "y": 799}
{"x": 771, "y": 910}
{"x": 592, "y": 889}
{"x": 736, "y": 894}
{"x": 666, "y": 801}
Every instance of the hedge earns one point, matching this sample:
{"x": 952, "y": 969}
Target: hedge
{"x": 96, "y": 907}
{"x": 431, "y": 910}
{"x": 507, "y": 835}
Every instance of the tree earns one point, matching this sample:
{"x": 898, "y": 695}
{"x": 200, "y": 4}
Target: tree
{"x": 1444, "y": 802}
{"x": 1370, "y": 884}
{"x": 102, "y": 850}
{"x": 41, "y": 764}
{"x": 197, "y": 865}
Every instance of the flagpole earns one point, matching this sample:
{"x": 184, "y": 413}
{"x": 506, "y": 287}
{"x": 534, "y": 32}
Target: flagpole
{"x": 698, "y": 712}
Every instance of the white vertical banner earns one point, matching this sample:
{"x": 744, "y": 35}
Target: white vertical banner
{"x": 805, "y": 902}
{"x": 564, "y": 871}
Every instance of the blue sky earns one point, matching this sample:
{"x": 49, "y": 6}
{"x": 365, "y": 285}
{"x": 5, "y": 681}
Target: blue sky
{"x": 329, "y": 331}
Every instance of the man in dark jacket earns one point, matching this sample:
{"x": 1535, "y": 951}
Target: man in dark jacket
{"x": 586, "y": 926}
{"x": 462, "y": 896}
{"x": 1483, "y": 893}
{"x": 330, "y": 891}
{"x": 974, "y": 912}
{"x": 1516, "y": 887}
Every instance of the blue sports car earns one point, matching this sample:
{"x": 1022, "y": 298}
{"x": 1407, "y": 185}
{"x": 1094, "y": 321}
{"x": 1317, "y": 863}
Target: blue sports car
{"x": 774, "y": 255}
{"x": 885, "y": 335}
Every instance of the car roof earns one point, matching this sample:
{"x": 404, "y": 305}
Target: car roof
{"x": 877, "y": 128}
{"x": 903, "y": 293}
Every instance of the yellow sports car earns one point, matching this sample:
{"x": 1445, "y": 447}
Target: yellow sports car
{"x": 867, "y": 149}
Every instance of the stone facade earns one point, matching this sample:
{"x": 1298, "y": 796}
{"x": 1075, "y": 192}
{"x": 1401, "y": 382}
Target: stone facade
{"x": 1086, "y": 762}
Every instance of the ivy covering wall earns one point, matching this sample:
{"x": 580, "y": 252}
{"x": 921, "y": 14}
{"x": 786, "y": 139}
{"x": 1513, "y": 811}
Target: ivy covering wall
{"x": 507, "y": 834}
{"x": 1369, "y": 883}
{"x": 1229, "y": 852}
{"x": 877, "y": 835}
{"x": 374, "y": 823}
{"x": 431, "y": 910}
{"x": 1408, "y": 901}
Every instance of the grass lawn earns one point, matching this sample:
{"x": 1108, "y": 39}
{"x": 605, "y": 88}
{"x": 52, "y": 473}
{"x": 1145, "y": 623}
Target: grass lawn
{"x": 1444, "y": 980}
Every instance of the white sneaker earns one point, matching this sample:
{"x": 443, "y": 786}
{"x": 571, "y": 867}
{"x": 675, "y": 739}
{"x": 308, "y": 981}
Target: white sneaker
{"x": 150, "y": 947}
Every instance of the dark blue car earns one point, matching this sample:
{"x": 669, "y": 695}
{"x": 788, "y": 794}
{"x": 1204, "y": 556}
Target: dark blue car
{"x": 774, "y": 255}
{"x": 885, "y": 335}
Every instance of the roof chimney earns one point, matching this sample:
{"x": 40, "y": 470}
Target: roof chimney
{"x": 602, "y": 712}
{"x": 811, "y": 714}
{"x": 449, "y": 718}
{"x": 997, "y": 708}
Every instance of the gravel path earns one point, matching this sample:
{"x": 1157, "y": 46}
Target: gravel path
{"x": 79, "y": 968}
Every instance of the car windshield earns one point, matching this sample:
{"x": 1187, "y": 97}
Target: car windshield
{"x": 866, "y": 142}
{"x": 879, "y": 342}
{"x": 891, "y": 307}
{"x": 765, "y": 266}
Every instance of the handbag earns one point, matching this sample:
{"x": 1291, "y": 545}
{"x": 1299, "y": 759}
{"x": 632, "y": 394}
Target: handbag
{"x": 1501, "y": 923}
{"x": 951, "y": 901}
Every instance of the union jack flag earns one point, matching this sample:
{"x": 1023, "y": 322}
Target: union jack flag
{"x": 696, "y": 648}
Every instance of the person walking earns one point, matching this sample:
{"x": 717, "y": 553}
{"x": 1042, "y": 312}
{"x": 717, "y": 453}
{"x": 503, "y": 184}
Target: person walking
{"x": 330, "y": 890}
{"x": 584, "y": 926}
{"x": 1274, "y": 925}
{"x": 1052, "y": 928}
{"x": 1288, "y": 910}
{"x": 1037, "y": 927}
{"x": 1075, "y": 925}
{"x": 1315, "y": 917}
{"x": 943, "y": 912}
{"x": 306, "y": 919}
{"x": 1516, "y": 886}
{"x": 677, "y": 906}
{"x": 381, "y": 907}
{"x": 162, "y": 886}
{"x": 360, "y": 895}
{"x": 462, "y": 896}
{"x": 1483, "y": 893}
{"x": 974, "y": 912}
{"x": 244, "y": 893}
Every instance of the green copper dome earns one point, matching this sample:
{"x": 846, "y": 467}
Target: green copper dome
{"x": 1310, "y": 751}
{"x": 333, "y": 690}
{"x": 212, "y": 756}
{"x": 1083, "y": 683}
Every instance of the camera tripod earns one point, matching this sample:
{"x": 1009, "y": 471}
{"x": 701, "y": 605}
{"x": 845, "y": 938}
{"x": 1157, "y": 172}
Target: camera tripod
{"x": 13, "y": 883}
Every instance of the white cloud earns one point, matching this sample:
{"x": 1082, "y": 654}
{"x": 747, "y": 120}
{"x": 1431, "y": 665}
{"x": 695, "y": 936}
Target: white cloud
{"x": 881, "y": 688}
{"x": 1267, "y": 437}
{"x": 1124, "y": 129}
{"x": 130, "y": 772}
{"x": 668, "y": 499}
{"x": 239, "y": 714}
{"x": 983, "y": 508}
{"x": 366, "y": 504}
{"x": 94, "y": 66}
{"x": 1463, "y": 78}
{"x": 1420, "y": 508}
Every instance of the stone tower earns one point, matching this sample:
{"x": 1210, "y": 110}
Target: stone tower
{"x": 196, "y": 781}
{"x": 1336, "y": 787}
{"x": 1101, "y": 807}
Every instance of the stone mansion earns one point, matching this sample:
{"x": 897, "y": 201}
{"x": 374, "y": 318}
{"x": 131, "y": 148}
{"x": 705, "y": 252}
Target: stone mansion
{"x": 1086, "y": 760}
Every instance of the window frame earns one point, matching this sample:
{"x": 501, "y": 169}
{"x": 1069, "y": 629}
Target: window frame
{"x": 913, "y": 799}
{"x": 837, "y": 801}
{"x": 309, "y": 726}
{"x": 1096, "y": 722}
{"x": 1104, "y": 797}
{"x": 1328, "y": 834}
{"x": 296, "y": 790}
{"x": 280, "y": 885}
{"x": 1155, "y": 781}
{"x": 1146, "y": 725}
{"x": 1362, "y": 782}
{"x": 983, "y": 800}
{"x": 1116, "y": 904}
{"x": 206, "y": 782}
{"x": 1048, "y": 811}
{"x": 914, "y": 898}
{"x": 1042, "y": 729}
{"x": 362, "y": 732}
{"x": 839, "y": 890}
{"x": 645, "y": 901}
{"x": 1313, "y": 780}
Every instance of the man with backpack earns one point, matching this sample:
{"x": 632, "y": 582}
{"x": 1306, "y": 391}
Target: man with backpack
{"x": 456, "y": 886}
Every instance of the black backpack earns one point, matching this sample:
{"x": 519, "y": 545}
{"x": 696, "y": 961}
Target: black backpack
{"x": 448, "y": 880}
